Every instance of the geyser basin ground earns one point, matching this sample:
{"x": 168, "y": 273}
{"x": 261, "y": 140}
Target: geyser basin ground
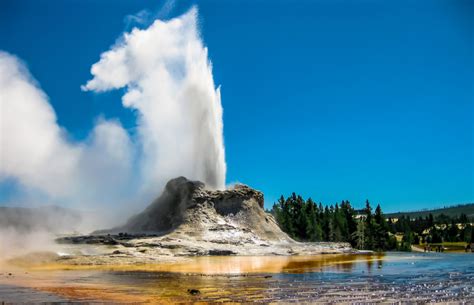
{"x": 324, "y": 278}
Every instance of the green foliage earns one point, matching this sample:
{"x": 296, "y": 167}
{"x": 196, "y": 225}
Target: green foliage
{"x": 307, "y": 221}
{"x": 304, "y": 220}
{"x": 442, "y": 228}
{"x": 392, "y": 242}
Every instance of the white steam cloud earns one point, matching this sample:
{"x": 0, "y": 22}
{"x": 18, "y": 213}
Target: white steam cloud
{"x": 168, "y": 81}
{"x": 34, "y": 149}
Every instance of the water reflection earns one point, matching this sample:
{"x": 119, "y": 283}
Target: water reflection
{"x": 335, "y": 278}
{"x": 375, "y": 261}
{"x": 276, "y": 264}
{"x": 324, "y": 278}
{"x": 341, "y": 263}
{"x": 213, "y": 265}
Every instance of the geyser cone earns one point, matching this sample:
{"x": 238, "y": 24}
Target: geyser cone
{"x": 188, "y": 206}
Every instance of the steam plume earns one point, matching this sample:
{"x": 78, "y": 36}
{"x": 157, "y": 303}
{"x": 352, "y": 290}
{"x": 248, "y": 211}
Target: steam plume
{"x": 35, "y": 152}
{"x": 168, "y": 80}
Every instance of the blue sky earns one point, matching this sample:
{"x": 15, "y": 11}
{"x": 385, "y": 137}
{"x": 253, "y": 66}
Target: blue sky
{"x": 331, "y": 99}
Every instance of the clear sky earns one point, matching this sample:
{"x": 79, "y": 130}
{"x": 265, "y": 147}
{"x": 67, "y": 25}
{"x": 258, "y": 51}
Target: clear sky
{"x": 328, "y": 98}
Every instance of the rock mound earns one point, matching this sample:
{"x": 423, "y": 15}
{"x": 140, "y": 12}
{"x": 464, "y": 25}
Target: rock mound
{"x": 187, "y": 205}
{"x": 168, "y": 210}
{"x": 188, "y": 220}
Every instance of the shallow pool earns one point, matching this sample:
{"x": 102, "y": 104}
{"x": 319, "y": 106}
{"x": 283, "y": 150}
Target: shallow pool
{"x": 429, "y": 277}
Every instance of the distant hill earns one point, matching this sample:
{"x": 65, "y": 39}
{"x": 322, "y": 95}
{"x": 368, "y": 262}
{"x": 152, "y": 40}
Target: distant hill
{"x": 451, "y": 211}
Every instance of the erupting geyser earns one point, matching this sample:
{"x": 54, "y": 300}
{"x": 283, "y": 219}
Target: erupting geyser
{"x": 168, "y": 79}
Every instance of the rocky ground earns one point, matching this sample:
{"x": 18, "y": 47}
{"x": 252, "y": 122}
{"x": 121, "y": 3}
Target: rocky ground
{"x": 190, "y": 220}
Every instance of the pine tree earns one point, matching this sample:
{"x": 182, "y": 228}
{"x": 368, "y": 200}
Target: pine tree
{"x": 300, "y": 218}
{"x": 453, "y": 232}
{"x": 380, "y": 230}
{"x": 313, "y": 229}
{"x": 305, "y": 220}
{"x": 359, "y": 235}
{"x": 338, "y": 224}
{"x": 288, "y": 218}
{"x": 351, "y": 224}
{"x": 325, "y": 224}
{"x": 369, "y": 226}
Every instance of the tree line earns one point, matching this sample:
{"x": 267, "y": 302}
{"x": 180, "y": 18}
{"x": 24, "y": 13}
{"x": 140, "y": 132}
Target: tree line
{"x": 433, "y": 230}
{"x": 305, "y": 220}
